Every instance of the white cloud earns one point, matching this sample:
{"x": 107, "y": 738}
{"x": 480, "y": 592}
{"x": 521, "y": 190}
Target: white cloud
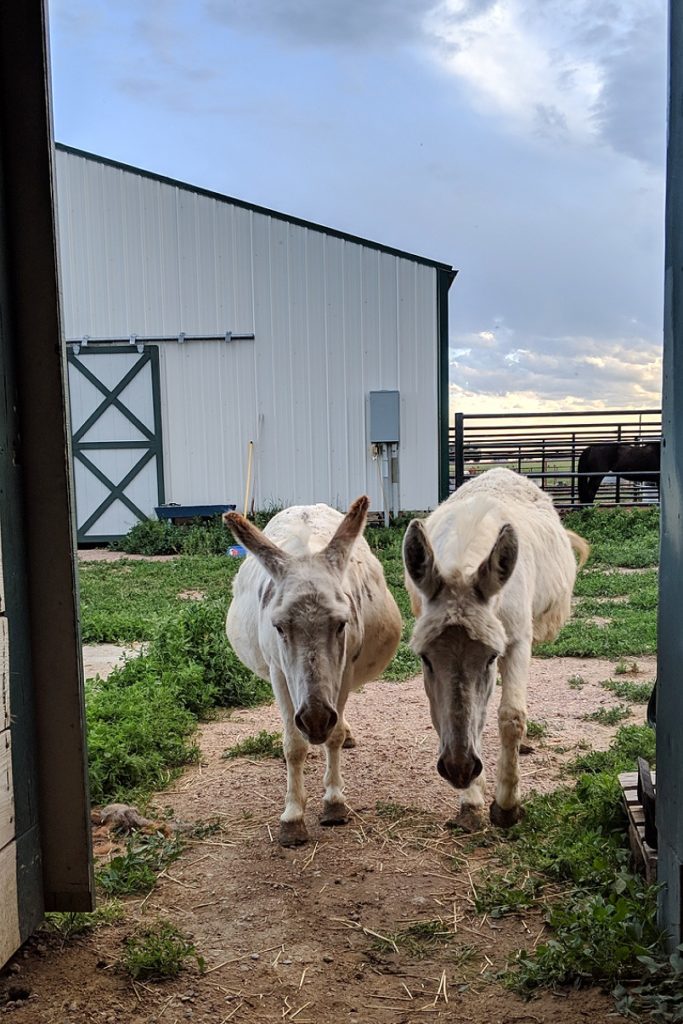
{"x": 567, "y": 70}
{"x": 512, "y": 66}
{"x": 565, "y": 370}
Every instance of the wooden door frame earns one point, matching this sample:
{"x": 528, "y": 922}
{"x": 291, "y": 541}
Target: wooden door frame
{"x": 54, "y": 866}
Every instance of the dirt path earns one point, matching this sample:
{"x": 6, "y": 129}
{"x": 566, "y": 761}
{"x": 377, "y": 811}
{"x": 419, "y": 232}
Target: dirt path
{"x": 296, "y": 935}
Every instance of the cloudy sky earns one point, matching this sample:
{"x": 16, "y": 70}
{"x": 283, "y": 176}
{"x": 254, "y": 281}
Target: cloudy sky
{"x": 523, "y": 141}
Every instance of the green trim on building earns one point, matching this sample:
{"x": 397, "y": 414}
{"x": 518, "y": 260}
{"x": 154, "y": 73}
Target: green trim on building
{"x": 444, "y": 280}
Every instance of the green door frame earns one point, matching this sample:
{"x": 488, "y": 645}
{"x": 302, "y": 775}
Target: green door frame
{"x": 150, "y": 446}
{"x": 444, "y": 280}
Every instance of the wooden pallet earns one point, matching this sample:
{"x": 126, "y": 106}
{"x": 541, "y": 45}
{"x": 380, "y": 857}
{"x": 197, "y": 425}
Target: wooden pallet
{"x": 643, "y": 854}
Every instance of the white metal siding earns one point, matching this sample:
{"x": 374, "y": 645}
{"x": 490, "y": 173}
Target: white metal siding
{"x": 332, "y": 319}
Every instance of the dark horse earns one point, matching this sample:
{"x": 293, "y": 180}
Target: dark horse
{"x": 638, "y": 462}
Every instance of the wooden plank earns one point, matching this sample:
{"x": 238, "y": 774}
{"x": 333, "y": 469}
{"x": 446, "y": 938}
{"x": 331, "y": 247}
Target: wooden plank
{"x": 48, "y": 734}
{"x": 7, "y": 822}
{"x": 4, "y": 675}
{"x": 10, "y": 937}
{"x": 627, "y": 780}
{"x": 643, "y": 854}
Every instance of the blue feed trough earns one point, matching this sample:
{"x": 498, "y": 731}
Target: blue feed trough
{"x": 174, "y": 512}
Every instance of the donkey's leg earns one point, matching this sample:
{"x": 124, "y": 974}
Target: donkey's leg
{"x": 292, "y": 825}
{"x": 473, "y": 799}
{"x": 335, "y": 811}
{"x": 514, "y": 670}
{"x": 349, "y": 739}
{"x": 470, "y": 817}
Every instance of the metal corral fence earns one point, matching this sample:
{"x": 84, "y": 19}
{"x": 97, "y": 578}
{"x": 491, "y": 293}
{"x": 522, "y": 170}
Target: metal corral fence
{"x": 546, "y": 448}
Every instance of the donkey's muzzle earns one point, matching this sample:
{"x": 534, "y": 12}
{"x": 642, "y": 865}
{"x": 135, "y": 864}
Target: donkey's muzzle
{"x": 460, "y": 772}
{"x": 316, "y": 720}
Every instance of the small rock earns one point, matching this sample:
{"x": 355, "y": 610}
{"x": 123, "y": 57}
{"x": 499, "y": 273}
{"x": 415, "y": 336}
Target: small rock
{"x": 327, "y": 959}
{"x": 285, "y": 961}
{"x": 255, "y": 956}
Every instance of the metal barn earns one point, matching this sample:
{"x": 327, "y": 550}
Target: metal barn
{"x": 198, "y": 323}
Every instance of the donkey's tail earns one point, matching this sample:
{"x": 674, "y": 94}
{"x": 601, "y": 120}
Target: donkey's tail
{"x": 581, "y": 546}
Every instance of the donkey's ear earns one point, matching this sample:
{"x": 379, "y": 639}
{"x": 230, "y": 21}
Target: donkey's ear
{"x": 496, "y": 570}
{"x": 418, "y": 558}
{"x": 338, "y": 551}
{"x": 272, "y": 558}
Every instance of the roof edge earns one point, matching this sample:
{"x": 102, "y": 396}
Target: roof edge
{"x": 243, "y": 204}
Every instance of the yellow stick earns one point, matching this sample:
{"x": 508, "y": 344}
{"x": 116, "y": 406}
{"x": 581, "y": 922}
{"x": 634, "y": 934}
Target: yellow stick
{"x": 250, "y": 459}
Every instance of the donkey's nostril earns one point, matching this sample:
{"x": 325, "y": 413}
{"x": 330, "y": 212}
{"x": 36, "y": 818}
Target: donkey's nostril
{"x": 441, "y": 769}
{"x": 476, "y": 769}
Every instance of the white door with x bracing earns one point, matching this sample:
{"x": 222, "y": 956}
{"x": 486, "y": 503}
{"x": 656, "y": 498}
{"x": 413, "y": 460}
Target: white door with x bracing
{"x": 116, "y": 438}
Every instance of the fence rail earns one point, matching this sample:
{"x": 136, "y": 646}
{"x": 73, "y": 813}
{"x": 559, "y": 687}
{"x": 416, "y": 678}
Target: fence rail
{"x": 546, "y": 447}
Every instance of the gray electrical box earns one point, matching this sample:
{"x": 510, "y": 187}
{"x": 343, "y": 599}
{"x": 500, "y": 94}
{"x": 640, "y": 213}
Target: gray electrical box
{"x": 385, "y": 416}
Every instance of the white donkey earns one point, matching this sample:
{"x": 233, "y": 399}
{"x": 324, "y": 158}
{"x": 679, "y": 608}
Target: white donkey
{"x": 311, "y": 613}
{"x": 489, "y": 572}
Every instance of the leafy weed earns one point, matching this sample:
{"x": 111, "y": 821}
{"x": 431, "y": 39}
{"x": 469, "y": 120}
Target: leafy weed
{"x": 157, "y": 951}
{"x": 264, "y": 744}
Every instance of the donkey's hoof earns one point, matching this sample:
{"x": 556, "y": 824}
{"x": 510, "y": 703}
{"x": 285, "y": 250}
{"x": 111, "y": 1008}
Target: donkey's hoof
{"x": 293, "y": 833}
{"x": 502, "y": 818}
{"x": 334, "y": 814}
{"x": 470, "y": 819}
{"x": 349, "y": 743}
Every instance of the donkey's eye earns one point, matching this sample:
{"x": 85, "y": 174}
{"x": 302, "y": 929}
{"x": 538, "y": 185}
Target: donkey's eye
{"x": 426, "y": 662}
{"x": 279, "y": 628}
{"x": 491, "y": 660}
{"x": 340, "y": 628}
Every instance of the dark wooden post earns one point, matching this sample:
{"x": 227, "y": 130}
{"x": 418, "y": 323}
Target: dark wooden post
{"x": 459, "y": 449}
{"x": 670, "y": 652}
{"x": 46, "y": 687}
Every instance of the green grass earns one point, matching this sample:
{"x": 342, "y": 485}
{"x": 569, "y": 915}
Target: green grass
{"x": 631, "y": 742}
{"x": 142, "y": 718}
{"x": 634, "y": 693}
{"x": 70, "y": 923}
{"x": 601, "y": 627}
{"x": 576, "y": 682}
{"x": 422, "y": 938}
{"x": 158, "y": 950}
{"x": 607, "y": 716}
{"x": 536, "y": 730}
{"x": 392, "y": 811}
{"x": 126, "y": 601}
{"x": 570, "y": 857}
{"x": 624, "y": 668}
{"x": 136, "y": 869}
{"x": 624, "y": 538}
{"x": 264, "y": 744}
{"x": 387, "y": 545}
